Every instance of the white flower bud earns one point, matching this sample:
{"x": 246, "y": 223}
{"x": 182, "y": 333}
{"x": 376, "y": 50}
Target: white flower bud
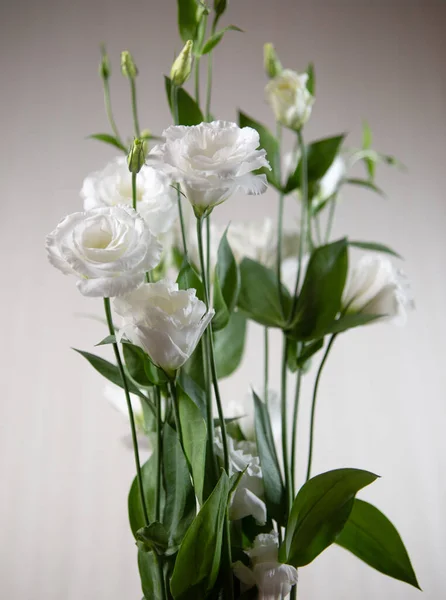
{"x": 288, "y": 96}
{"x": 182, "y": 65}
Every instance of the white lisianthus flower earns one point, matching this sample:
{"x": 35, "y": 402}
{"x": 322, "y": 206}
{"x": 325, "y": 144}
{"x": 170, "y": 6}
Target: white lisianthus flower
{"x": 273, "y": 579}
{"x": 156, "y": 199}
{"x": 115, "y": 395}
{"x": 330, "y": 182}
{"x": 107, "y": 249}
{"x": 374, "y": 286}
{"x": 248, "y": 497}
{"x": 212, "y": 161}
{"x": 288, "y": 96}
{"x": 164, "y": 321}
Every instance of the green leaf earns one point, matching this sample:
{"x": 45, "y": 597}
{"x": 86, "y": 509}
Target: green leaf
{"x": 109, "y": 139}
{"x": 192, "y": 389}
{"x": 367, "y": 137}
{"x": 154, "y": 537}
{"x": 135, "y": 358}
{"x": 189, "y": 112}
{"x": 275, "y": 497}
{"x": 259, "y": 297}
{"x": 308, "y": 351}
{"x": 350, "y": 321}
{"x": 226, "y": 284}
{"x": 198, "y": 561}
{"x": 193, "y": 428}
{"x": 320, "y": 299}
{"x": 136, "y": 516}
{"x": 311, "y": 82}
{"x": 217, "y": 37}
{"x": 232, "y": 337}
{"x": 109, "y": 371}
{"x": 365, "y": 183}
{"x": 320, "y": 511}
{"x": 179, "y": 510}
{"x": 270, "y": 144}
{"x": 370, "y": 536}
{"x": 109, "y": 339}
{"x": 189, "y": 278}
{"x": 320, "y": 155}
{"x": 375, "y": 247}
{"x": 149, "y": 574}
{"x": 188, "y": 18}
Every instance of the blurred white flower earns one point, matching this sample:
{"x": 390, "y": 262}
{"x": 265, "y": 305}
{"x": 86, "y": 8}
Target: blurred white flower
{"x": 288, "y": 96}
{"x": 243, "y": 409}
{"x": 107, "y": 249}
{"x": 248, "y": 497}
{"x": 115, "y": 395}
{"x": 330, "y": 182}
{"x": 156, "y": 199}
{"x": 164, "y": 321}
{"x": 374, "y": 286}
{"x": 212, "y": 161}
{"x": 274, "y": 580}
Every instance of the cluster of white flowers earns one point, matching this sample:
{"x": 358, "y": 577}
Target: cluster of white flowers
{"x": 273, "y": 579}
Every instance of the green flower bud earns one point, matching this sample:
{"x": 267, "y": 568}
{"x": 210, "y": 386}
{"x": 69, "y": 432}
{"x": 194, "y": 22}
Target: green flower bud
{"x": 271, "y": 61}
{"x": 182, "y": 65}
{"x": 220, "y": 6}
{"x": 136, "y": 158}
{"x": 128, "y": 66}
{"x": 104, "y": 67}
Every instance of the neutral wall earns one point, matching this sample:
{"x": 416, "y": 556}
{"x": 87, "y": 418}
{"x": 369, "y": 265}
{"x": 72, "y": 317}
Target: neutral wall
{"x": 63, "y": 469}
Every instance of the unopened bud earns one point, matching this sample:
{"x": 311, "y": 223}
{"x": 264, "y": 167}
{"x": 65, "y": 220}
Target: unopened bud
{"x": 271, "y": 61}
{"x": 220, "y": 6}
{"x": 182, "y": 65}
{"x": 128, "y": 66}
{"x": 136, "y": 158}
{"x": 104, "y": 67}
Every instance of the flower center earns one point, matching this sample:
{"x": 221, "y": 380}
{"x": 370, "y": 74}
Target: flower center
{"x": 98, "y": 236}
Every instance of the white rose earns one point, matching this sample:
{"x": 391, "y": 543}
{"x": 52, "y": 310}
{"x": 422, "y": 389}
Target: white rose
{"x": 374, "y": 286}
{"x": 164, "y": 321}
{"x": 107, "y": 249}
{"x": 248, "y": 497}
{"x": 212, "y": 161}
{"x": 115, "y": 395}
{"x": 288, "y": 96}
{"x": 274, "y": 580}
{"x": 156, "y": 199}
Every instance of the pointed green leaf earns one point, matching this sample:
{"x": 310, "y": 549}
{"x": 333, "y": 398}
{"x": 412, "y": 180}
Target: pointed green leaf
{"x": 275, "y": 497}
{"x": 109, "y": 139}
{"x": 233, "y": 336}
{"x": 350, "y": 321}
{"x": 270, "y": 144}
{"x": 136, "y": 516}
{"x": 189, "y": 112}
{"x": 188, "y": 18}
{"x": 198, "y": 561}
{"x": 154, "y": 537}
{"x": 192, "y": 389}
{"x": 370, "y": 536}
{"x": 134, "y": 358}
{"x": 149, "y": 573}
{"x": 311, "y": 82}
{"x": 320, "y": 511}
{"x": 217, "y": 37}
{"x": 375, "y": 247}
{"x": 226, "y": 284}
{"x": 189, "y": 278}
{"x": 365, "y": 183}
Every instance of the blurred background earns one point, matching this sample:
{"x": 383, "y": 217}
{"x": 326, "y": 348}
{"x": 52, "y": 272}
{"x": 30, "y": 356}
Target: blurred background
{"x": 64, "y": 469}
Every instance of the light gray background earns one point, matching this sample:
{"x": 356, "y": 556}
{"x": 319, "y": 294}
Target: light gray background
{"x": 64, "y": 471}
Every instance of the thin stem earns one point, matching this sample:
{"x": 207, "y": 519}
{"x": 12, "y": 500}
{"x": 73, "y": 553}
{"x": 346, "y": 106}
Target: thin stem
{"x": 134, "y": 108}
{"x": 197, "y": 80}
{"x": 134, "y": 191}
{"x": 286, "y": 467}
{"x": 208, "y": 248}
{"x": 266, "y": 365}
{"x": 176, "y": 411}
{"x": 159, "y": 450}
{"x": 330, "y": 221}
{"x": 313, "y": 404}
{"x": 317, "y": 227}
{"x": 294, "y": 433}
{"x": 209, "y": 80}
{"x": 129, "y": 407}
{"x": 176, "y": 120}
{"x": 280, "y": 226}
{"x": 108, "y": 110}
{"x": 211, "y": 357}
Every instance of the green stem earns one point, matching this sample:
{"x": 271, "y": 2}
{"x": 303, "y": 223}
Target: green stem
{"x": 159, "y": 450}
{"x": 211, "y": 357}
{"x": 317, "y": 227}
{"x": 209, "y": 80}
{"x": 330, "y": 221}
{"x": 280, "y": 226}
{"x": 176, "y": 411}
{"x": 266, "y": 365}
{"x": 313, "y": 404}
{"x": 134, "y": 191}
{"x": 208, "y": 248}
{"x": 134, "y": 108}
{"x": 129, "y": 407}
{"x": 294, "y": 433}
{"x": 108, "y": 110}
{"x": 286, "y": 467}
{"x": 197, "y": 80}
{"x": 176, "y": 120}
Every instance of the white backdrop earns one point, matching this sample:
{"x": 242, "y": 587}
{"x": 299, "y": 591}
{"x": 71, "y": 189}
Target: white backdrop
{"x": 63, "y": 468}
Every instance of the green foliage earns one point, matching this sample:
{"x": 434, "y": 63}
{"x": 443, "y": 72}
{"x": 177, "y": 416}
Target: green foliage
{"x": 269, "y": 143}
{"x": 198, "y": 561}
{"x": 109, "y": 139}
{"x": 351, "y": 321}
{"x": 259, "y": 297}
{"x": 320, "y": 156}
{"x": 189, "y": 112}
{"x": 229, "y": 345}
{"x": 216, "y": 38}
{"x": 135, "y": 358}
{"x": 150, "y": 577}
{"x": 192, "y": 389}
{"x": 370, "y": 536}
{"x": 320, "y": 299}
{"x": 136, "y": 516}
{"x": 226, "y": 284}
{"x": 188, "y": 19}
{"x": 311, "y": 82}
{"x": 319, "y": 513}
{"x": 189, "y": 278}
{"x": 153, "y": 537}
{"x": 375, "y": 247}
{"x": 365, "y": 183}
{"x": 275, "y": 496}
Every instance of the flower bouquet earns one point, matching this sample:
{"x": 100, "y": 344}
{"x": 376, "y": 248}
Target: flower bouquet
{"x": 215, "y": 510}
